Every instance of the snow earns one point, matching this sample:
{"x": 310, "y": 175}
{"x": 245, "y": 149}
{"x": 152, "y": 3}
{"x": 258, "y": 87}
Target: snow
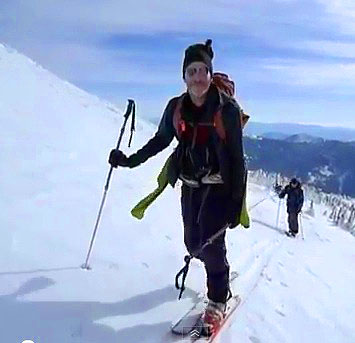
{"x": 54, "y": 146}
{"x": 325, "y": 171}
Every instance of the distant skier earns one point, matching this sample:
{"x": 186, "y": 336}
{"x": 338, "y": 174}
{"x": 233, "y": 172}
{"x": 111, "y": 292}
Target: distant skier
{"x": 209, "y": 160}
{"x": 295, "y": 200}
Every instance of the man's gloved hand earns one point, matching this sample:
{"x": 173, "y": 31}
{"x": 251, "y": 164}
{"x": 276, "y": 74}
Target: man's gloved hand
{"x": 278, "y": 189}
{"x": 118, "y": 158}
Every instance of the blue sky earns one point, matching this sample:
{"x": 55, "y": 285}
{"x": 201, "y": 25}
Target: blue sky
{"x": 292, "y": 60}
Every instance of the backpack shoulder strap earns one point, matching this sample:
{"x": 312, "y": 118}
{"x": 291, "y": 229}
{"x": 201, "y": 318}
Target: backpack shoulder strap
{"x": 219, "y": 126}
{"x": 178, "y": 122}
{"x": 180, "y": 125}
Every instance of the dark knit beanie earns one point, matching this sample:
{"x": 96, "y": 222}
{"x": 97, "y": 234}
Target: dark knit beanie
{"x": 198, "y": 53}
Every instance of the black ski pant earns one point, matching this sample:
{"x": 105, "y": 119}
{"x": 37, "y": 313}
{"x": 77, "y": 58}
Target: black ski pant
{"x": 205, "y": 211}
{"x": 293, "y": 222}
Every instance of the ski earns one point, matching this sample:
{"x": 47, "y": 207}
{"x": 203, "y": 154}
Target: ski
{"x": 190, "y": 327}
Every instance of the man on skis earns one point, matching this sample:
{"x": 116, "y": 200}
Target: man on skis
{"x": 295, "y": 200}
{"x": 209, "y": 160}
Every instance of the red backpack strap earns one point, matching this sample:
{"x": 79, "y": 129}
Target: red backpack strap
{"x": 180, "y": 125}
{"x": 178, "y": 122}
{"x": 219, "y": 126}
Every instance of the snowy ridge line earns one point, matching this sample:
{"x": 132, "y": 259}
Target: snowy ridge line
{"x": 24, "y": 72}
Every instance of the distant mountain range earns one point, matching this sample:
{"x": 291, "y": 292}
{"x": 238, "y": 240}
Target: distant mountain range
{"x": 284, "y": 130}
{"x": 298, "y": 138}
{"x": 303, "y": 138}
{"x": 327, "y": 164}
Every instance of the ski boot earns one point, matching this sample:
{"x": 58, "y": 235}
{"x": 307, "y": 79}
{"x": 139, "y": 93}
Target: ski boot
{"x": 291, "y": 234}
{"x": 213, "y": 317}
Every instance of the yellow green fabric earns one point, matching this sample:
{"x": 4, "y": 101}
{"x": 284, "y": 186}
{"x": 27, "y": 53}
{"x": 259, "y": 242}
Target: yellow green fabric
{"x": 139, "y": 210}
{"x": 244, "y": 216}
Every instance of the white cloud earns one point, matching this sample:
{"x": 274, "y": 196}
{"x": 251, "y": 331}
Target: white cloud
{"x": 259, "y": 18}
{"x": 342, "y": 14}
{"x": 330, "y": 48}
{"x": 135, "y": 17}
{"x": 312, "y": 74}
{"x": 89, "y": 64}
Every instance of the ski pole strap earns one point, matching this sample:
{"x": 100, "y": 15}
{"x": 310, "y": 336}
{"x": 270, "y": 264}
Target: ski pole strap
{"x": 133, "y": 128}
{"x": 183, "y": 272}
{"x": 188, "y": 259}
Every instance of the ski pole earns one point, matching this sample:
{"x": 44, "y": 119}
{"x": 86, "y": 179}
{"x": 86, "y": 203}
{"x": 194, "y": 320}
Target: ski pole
{"x": 301, "y": 226}
{"x": 258, "y": 203}
{"x": 278, "y": 214}
{"x": 130, "y": 108}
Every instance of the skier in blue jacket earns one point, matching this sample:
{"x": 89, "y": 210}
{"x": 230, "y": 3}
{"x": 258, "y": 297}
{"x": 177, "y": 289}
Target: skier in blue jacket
{"x": 295, "y": 200}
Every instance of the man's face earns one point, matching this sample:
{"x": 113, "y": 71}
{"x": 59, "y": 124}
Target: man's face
{"x": 197, "y": 78}
{"x": 294, "y": 185}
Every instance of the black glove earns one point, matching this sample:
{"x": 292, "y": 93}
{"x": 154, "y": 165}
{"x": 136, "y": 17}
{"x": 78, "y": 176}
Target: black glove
{"x": 118, "y": 158}
{"x": 278, "y": 189}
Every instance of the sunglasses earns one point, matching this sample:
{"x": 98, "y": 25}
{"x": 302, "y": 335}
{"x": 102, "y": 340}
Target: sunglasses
{"x": 191, "y": 71}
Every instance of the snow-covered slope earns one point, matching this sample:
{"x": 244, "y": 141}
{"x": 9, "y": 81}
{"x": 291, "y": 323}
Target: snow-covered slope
{"x": 54, "y": 145}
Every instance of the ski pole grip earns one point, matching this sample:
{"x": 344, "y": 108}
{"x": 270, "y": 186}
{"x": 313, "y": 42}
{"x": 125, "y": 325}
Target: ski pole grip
{"x": 130, "y": 106}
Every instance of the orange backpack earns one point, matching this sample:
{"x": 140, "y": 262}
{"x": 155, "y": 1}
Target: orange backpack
{"x": 224, "y": 85}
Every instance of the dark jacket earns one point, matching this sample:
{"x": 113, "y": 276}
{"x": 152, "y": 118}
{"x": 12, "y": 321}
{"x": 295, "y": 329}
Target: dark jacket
{"x": 295, "y": 198}
{"x": 229, "y": 153}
